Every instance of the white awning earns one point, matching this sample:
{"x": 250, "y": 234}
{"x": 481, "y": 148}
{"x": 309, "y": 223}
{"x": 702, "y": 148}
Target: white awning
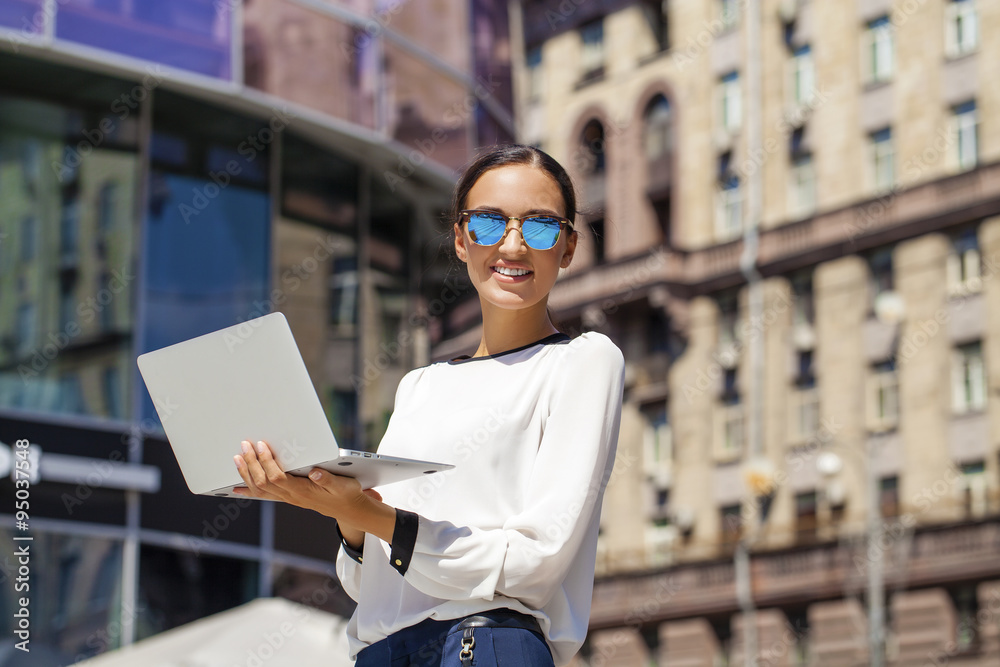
{"x": 268, "y": 631}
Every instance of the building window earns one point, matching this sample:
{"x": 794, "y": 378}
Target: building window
{"x": 729, "y": 420}
{"x": 29, "y": 237}
{"x": 961, "y": 30}
{"x": 728, "y": 303}
{"x": 107, "y": 203}
{"x": 591, "y": 162}
{"x": 806, "y": 520}
{"x": 889, "y": 496}
{"x": 805, "y": 378}
{"x": 730, "y": 388}
{"x": 657, "y": 439}
{"x": 69, "y": 233}
{"x": 67, "y": 306}
{"x": 804, "y": 308}
{"x": 878, "y": 50}
{"x": 533, "y": 63}
{"x": 729, "y": 202}
{"x": 880, "y": 271}
{"x": 732, "y": 526}
{"x": 804, "y": 415}
{"x": 344, "y": 295}
{"x": 804, "y": 409}
{"x": 26, "y": 328}
{"x": 730, "y": 103}
{"x": 802, "y": 190}
{"x": 881, "y": 157}
{"x": 964, "y": 264}
{"x": 592, "y": 53}
{"x": 597, "y": 234}
{"x": 968, "y": 621}
{"x": 802, "y": 77}
{"x": 976, "y": 489}
{"x": 729, "y": 12}
{"x": 656, "y": 130}
{"x": 112, "y": 393}
{"x": 883, "y": 398}
{"x": 968, "y": 379}
{"x": 964, "y": 135}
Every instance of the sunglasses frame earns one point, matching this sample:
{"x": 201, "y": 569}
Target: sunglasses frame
{"x": 467, "y": 213}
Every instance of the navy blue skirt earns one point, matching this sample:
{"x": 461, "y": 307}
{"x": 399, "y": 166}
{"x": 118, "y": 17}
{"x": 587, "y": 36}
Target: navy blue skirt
{"x": 433, "y": 643}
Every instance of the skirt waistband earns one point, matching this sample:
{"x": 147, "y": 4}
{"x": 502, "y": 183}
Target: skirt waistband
{"x": 431, "y": 631}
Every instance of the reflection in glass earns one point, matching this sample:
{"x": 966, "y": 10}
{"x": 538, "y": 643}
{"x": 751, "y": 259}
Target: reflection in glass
{"x": 317, "y": 277}
{"x": 205, "y": 272}
{"x": 26, "y": 16}
{"x": 65, "y": 295}
{"x": 75, "y": 587}
{"x": 178, "y": 587}
{"x": 192, "y": 35}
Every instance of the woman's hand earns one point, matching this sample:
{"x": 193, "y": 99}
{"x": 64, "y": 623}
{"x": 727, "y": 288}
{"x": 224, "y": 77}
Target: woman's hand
{"x": 336, "y": 496}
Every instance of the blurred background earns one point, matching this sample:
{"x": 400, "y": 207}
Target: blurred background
{"x": 790, "y": 226}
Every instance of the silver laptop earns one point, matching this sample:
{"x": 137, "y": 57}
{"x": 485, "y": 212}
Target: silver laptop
{"x": 248, "y": 382}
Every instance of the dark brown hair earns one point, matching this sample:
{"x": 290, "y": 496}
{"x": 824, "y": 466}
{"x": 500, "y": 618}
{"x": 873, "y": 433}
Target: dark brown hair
{"x": 503, "y": 155}
{"x": 507, "y": 154}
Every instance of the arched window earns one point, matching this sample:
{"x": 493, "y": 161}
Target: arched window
{"x": 656, "y": 129}
{"x": 592, "y": 141}
{"x": 593, "y": 165}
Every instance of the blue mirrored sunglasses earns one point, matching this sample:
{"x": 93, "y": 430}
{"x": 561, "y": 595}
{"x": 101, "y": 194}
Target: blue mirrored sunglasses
{"x": 540, "y": 232}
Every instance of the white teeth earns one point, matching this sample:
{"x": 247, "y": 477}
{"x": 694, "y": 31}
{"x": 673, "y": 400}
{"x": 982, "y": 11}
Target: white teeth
{"x": 510, "y": 272}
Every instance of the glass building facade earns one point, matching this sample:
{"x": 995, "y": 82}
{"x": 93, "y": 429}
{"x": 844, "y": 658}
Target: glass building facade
{"x": 146, "y": 199}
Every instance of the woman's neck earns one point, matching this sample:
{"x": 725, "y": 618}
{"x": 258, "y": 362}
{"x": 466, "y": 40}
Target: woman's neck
{"x": 506, "y": 329}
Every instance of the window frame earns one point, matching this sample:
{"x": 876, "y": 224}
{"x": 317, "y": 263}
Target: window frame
{"x": 959, "y": 42}
{"x": 878, "y": 47}
{"x": 881, "y": 159}
{"x": 969, "y": 383}
{"x": 964, "y": 130}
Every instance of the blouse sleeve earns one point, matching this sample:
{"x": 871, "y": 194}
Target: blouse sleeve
{"x": 528, "y": 558}
{"x": 349, "y": 569}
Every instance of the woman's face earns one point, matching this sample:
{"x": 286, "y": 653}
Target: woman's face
{"x": 515, "y": 190}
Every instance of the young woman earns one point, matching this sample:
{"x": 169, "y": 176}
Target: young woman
{"x": 491, "y": 562}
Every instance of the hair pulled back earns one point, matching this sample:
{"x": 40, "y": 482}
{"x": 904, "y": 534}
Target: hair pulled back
{"x": 507, "y": 154}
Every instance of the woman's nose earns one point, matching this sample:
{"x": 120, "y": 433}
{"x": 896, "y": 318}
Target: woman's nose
{"x": 513, "y": 239}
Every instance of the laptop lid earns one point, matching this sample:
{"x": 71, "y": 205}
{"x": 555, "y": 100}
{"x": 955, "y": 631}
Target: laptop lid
{"x": 244, "y": 382}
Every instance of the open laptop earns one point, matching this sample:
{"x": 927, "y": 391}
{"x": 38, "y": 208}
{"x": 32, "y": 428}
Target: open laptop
{"x": 248, "y": 382}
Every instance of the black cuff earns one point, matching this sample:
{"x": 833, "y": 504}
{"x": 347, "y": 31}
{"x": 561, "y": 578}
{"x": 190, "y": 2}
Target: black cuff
{"x": 404, "y": 537}
{"x": 355, "y": 554}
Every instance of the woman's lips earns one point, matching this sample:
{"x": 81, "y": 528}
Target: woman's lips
{"x": 510, "y": 279}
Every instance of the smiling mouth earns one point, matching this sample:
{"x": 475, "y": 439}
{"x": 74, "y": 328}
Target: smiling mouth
{"x": 510, "y": 273}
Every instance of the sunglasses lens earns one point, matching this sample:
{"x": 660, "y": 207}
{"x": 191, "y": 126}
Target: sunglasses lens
{"x": 540, "y": 233}
{"x": 486, "y": 228}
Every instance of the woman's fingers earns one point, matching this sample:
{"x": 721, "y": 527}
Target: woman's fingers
{"x": 243, "y": 467}
{"x": 273, "y": 474}
{"x": 343, "y": 489}
{"x": 253, "y": 466}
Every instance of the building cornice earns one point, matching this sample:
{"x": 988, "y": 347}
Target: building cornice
{"x": 895, "y": 216}
{"x": 826, "y": 571}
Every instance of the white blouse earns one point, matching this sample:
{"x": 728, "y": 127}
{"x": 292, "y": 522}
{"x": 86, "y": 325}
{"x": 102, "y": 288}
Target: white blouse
{"x": 532, "y": 433}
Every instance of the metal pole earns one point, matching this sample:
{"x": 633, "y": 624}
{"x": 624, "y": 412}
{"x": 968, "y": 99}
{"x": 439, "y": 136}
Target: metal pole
{"x": 755, "y": 298}
{"x": 744, "y": 596}
{"x": 876, "y": 602}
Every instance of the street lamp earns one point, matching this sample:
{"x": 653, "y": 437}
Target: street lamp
{"x": 760, "y": 481}
{"x": 889, "y": 310}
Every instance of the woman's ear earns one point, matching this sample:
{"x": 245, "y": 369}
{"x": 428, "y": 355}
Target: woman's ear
{"x": 460, "y": 243}
{"x": 570, "y": 250}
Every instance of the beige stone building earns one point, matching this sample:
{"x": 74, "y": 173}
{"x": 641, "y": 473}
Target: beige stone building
{"x": 875, "y": 354}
